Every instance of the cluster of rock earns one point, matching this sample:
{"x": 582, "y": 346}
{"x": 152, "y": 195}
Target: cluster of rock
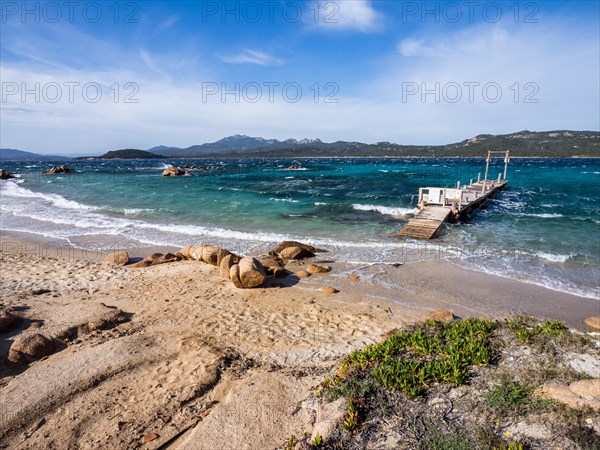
{"x": 5, "y": 175}
{"x": 59, "y": 169}
{"x": 176, "y": 172}
{"x": 244, "y": 272}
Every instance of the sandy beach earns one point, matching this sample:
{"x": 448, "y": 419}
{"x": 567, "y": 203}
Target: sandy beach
{"x": 174, "y": 356}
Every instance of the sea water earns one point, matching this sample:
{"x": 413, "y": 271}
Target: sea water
{"x": 544, "y": 228}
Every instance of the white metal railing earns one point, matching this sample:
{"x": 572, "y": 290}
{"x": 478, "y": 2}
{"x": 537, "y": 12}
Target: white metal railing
{"x": 440, "y": 196}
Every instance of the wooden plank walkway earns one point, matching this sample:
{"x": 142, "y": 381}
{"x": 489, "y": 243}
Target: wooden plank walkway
{"x": 460, "y": 201}
{"x": 426, "y": 223}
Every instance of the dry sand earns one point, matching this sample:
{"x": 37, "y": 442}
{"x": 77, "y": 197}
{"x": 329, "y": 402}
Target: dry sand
{"x": 178, "y": 357}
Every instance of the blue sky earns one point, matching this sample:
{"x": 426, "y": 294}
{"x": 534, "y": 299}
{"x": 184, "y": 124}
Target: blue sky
{"x": 97, "y": 76}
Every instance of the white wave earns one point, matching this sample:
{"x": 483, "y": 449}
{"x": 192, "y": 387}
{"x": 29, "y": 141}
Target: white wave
{"x": 137, "y": 211}
{"x": 286, "y": 200}
{"x": 387, "y": 210}
{"x": 14, "y": 190}
{"x": 544, "y": 215}
{"x": 553, "y": 257}
{"x": 319, "y": 204}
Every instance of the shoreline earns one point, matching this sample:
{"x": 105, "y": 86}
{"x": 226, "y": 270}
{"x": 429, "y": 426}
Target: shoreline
{"x": 420, "y": 285}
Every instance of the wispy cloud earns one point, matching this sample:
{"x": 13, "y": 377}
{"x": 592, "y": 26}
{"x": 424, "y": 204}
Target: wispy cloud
{"x": 252, "y": 57}
{"x": 167, "y": 23}
{"x": 149, "y": 61}
{"x": 356, "y": 15}
{"x": 475, "y": 42}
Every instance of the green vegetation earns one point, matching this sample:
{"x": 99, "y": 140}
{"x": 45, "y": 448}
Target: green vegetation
{"x": 509, "y": 395}
{"x": 525, "y": 330}
{"x": 461, "y": 385}
{"x": 317, "y": 442}
{"x": 451, "y": 441}
{"x": 510, "y": 446}
{"x": 351, "y": 422}
{"x": 411, "y": 361}
{"x": 290, "y": 444}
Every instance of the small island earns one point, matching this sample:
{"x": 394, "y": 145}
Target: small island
{"x": 124, "y": 154}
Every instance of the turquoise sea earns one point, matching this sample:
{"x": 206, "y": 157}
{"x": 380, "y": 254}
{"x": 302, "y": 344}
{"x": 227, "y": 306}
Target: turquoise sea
{"x": 543, "y": 229}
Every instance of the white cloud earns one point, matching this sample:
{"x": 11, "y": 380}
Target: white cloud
{"x": 252, "y": 57}
{"x": 345, "y": 15}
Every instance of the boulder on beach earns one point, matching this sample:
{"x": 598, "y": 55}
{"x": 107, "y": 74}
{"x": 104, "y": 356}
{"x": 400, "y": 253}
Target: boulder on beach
{"x": 117, "y": 258}
{"x": 142, "y": 263}
{"x": 329, "y": 290}
{"x": 286, "y": 244}
{"x": 315, "y": 268}
{"x": 441, "y": 316}
{"x": 29, "y": 347}
{"x": 59, "y": 169}
{"x": 172, "y": 172}
{"x": 153, "y": 256}
{"x": 213, "y": 255}
{"x": 185, "y": 252}
{"x": 234, "y": 276}
{"x": 7, "y": 320}
{"x": 196, "y": 251}
{"x": 302, "y": 274}
{"x": 158, "y": 258}
{"x": 5, "y": 175}
{"x": 593, "y": 322}
{"x": 226, "y": 263}
{"x": 273, "y": 265}
{"x": 296, "y": 253}
{"x": 353, "y": 277}
{"x": 252, "y": 273}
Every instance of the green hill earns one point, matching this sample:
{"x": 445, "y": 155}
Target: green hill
{"x": 126, "y": 154}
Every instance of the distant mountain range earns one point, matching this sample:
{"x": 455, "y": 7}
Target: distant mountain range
{"x": 560, "y": 143}
{"x": 11, "y": 154}
{"x": 563, "y": 143}
{"x": 237, "y": 144}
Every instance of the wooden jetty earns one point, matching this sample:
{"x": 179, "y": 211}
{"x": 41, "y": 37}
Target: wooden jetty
{"x": 436, "y": 205}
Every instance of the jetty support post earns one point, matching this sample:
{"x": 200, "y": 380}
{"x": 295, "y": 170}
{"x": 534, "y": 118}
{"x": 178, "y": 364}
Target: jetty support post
{"x": 506, "y": 159}
{"x": 487, "y": 164}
